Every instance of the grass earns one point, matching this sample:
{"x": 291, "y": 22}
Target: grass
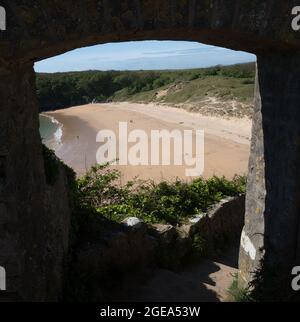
{"x": 238, "y": 294}
{"x": 224, "y": 88}
{"x": 207, "y": 94}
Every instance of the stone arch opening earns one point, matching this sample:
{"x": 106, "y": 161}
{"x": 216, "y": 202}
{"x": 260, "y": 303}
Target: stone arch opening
{"x": 87, "y": 162}
{"x": 33, "y": 33}
{"x": 81, "y": 163}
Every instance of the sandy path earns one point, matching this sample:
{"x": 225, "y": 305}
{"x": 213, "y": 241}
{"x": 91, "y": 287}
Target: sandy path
{"x": 226, "y": 141}
{"x": 206, "y": 281}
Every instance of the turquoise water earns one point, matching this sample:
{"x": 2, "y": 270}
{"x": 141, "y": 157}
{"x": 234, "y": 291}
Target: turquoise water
{"x": 50, "y": 131}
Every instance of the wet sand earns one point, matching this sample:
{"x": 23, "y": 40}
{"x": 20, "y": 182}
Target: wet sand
{"x": 227, "y": 142}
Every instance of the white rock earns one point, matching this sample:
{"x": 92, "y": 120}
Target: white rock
{"x": 248, "y": 245}
{"x": 162, "y": 229}
{"x": 196, "y": 219}
{"x": 132, "y": 222}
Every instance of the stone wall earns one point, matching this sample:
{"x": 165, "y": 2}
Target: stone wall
{"x": 34, "y": 217}
{"x": 36, "y": 30}
{"x": 222, "y": 225}
{"x": 271, "y": 241}
{"x": 101, "y": 265}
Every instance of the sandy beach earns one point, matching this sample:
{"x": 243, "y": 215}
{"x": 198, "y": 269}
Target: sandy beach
{"x": 227, "y": 141}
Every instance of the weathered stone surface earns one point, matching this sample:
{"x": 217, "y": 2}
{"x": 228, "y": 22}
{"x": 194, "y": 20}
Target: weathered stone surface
{"x": 168, "y": 254}
{"x": 36, "y": 31}
{"x": 273, "y": 192}
{"x": 102, "y": 265}
{"x": 221, "y": 226}
{"x": 167, "y": 233}
{"x": 34, "y": 221}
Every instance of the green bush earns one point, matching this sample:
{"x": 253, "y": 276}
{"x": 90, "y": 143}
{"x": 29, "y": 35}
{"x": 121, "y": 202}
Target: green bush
{"x": 165, "y": 202}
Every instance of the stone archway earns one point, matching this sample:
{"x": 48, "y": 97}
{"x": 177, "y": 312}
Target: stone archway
{"x": 34, "y": 223}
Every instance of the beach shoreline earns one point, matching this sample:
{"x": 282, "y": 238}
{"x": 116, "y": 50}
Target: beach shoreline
{"x": 227, "y": 141}
{"x": 51, "y": 131}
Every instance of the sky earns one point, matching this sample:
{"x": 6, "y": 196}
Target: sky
{"x": 143, "y": 55}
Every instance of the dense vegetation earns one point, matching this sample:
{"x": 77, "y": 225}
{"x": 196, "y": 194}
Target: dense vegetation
{"x": 61, "y": 90}
{"x": 166, "y": 202}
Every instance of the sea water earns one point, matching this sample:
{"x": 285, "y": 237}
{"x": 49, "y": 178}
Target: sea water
{"x": 50, "y": 131}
